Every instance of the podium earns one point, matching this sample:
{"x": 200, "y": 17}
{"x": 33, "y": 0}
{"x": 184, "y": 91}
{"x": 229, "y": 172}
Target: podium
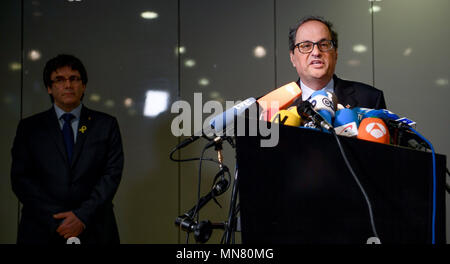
{"x": 301, "y": 191}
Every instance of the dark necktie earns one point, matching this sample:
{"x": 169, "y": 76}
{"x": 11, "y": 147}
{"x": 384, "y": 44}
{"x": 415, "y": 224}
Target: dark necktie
{"x": 68, "y": 134}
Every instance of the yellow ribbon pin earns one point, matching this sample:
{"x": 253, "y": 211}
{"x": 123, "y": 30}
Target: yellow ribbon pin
{"x": 82, "y": 129}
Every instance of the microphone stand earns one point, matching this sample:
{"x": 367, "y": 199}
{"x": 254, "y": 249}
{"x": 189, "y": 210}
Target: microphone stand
{"x": 203, "y": 229}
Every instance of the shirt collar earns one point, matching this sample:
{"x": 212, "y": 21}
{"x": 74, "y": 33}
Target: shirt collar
{"x": 307, "y": 92}
{"x": 76, "y": 112}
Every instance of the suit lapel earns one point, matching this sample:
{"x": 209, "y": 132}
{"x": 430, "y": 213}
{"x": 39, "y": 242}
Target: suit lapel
{"x": 54, "y": 129}
{"x": 82, "y": 133}
{"x": 344, "y": 93}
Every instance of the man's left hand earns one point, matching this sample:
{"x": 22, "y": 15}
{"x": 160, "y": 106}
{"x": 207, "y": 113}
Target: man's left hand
{"x": 71, "y": 226}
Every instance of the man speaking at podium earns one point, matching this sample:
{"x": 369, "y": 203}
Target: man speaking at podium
{"x": 313, "y": 50}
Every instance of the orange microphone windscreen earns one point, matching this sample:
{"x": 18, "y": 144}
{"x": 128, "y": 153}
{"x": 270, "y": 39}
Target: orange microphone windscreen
{"x": 373, "y": 129}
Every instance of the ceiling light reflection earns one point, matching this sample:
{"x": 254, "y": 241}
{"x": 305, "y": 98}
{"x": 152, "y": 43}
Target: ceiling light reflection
{"x": 95, "y": 97}
{"x": 34, "y": 55}
{"x": 189, "y": 63}
{"x": 203, "y": 82}
{"x": 374, "y": 9}
{"x": 407, "y": 52}
{"x": 109, "y": 103}
{"x": 128, "y": 102}
{"x": 156, "y": 102}
{"x": 15, "y": 66}
{"x": 259, "y": 52}
{"x": 354, "y": 63}
{"x": 441, "y": 82}
{"x": 149, "y": 15}
{"x": 180, "y": 50}
{"x": 359, "y": 48}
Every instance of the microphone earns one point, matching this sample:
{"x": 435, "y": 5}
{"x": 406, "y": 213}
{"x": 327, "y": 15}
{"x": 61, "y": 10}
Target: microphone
{"x": 282, "y": 97}
{"x": 373, "y": 129}
{"x": 306, "y": 111}
{"x": 323, "y": 103}
{"x": 386, "y": 115}
{"x": 346, "y": 123}
{"x": 223, "y": 122}
{"x": 287, "y": 117}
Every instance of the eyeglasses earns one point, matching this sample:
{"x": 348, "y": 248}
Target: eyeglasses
{"x": 308, "y": 46}
{"x": 60, "y": 81}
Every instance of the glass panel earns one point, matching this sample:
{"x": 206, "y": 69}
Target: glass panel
{"x": 228, "y": 57}
{"x": 412, "y": 66}
{"x": 10, "y": 72}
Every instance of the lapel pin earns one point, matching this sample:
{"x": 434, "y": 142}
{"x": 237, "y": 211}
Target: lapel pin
{"x": 82, "y": 129}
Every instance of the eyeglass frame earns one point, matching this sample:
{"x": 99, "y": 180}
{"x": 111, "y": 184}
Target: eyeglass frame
{"x": 62, "y": 80}
{"x": 333, "y": 45}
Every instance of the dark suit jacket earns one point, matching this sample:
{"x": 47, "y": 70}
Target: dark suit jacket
{"x": 46, "y": 183}
{"x": 356, "y": 94}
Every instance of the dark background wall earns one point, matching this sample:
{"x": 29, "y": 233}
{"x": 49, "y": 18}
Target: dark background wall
{"x": 400, "y": 46}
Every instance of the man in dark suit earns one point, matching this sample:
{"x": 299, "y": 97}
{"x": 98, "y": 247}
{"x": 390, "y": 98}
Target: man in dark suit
{"x": 313, "y": 50}
{"x": 67, "y": 164}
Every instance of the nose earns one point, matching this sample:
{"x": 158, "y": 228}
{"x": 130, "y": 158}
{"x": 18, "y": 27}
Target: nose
{"x": 315, "y": 51}
{"x": 67, "y": 83}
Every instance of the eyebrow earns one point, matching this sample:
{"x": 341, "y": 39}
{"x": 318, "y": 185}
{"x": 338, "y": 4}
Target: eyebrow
{"x": 313, "y": 41}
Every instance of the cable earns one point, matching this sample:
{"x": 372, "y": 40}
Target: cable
{"x": 433, "y": 225}
{"x": 199, "y": 185}
{"x": 372, "y": 222}
{"x": 189, "y": 159}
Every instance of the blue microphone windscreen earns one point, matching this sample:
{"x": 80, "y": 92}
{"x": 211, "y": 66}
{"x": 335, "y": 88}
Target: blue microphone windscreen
{"x": 345, "y": 116}
{"x": 326, "y": 115}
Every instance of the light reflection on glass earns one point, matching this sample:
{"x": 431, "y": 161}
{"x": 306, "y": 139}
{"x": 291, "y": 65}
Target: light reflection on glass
{"x": 149, "y": 15}
{"x": 128, "y": 102}
{"x": 441, "y": 82}
{"x": 189, "y": 63}
{"x": 34, "y": 55}
{"x": 374, "y": 9}
{"x": 214, "y": 95}
{"x": 180, "y": 50}
{"x": 156, "y": 102}
{"x": 109, "y": 103}
{"x": 203, "y": 82}
{"x": 407, "y": 52}
{"x": 354, "y": 63}
{"x": 259, "y": 52}
{"x": 95, "y": 97}
{"x": 359, "y": 48}
{"x": 15, "y": 66}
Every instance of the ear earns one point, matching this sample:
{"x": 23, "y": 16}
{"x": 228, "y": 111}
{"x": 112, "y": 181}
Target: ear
{"x": 49, "y": 90}
{"x": 291, "y": 54}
